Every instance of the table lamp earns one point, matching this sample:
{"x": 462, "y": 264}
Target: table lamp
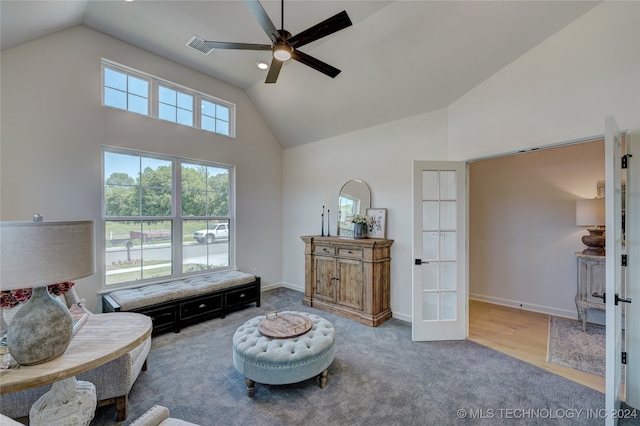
{"x": 36, "y": 254}
{"x": 590, "y": 213}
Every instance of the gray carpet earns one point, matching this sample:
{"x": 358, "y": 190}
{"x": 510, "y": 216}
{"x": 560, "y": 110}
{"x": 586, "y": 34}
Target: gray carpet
{"x": 571, "y": 347}
{"x": 379, "y": 376}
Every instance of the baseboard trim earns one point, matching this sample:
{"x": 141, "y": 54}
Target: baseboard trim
{"x": 525, "y": 306}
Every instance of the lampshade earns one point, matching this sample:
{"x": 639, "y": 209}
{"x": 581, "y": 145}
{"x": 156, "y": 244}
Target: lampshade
{"x": 35, "y": 254}
{"x": 590, "y": 212}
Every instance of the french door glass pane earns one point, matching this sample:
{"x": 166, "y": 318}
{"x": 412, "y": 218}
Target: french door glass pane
{"x": 447, "y": 215}
{"x": 447, "y": 185}
{"x": 429, "y": 306}
{"x": 447, "y": 245}
{"x": 429, "y": 276}
{"x": 448, "y": 306}
{"x": 430, "y": 243}
{"x": 430, "y": 185}
{"x": 448, "y": 275}
{"x": 430, "y": 215}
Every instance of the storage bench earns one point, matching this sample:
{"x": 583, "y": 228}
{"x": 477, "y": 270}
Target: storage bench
{"x": 175, "y": 303}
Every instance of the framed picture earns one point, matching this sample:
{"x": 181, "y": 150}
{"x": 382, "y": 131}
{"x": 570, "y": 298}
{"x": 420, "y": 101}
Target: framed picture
{"x": 378, "y": 226}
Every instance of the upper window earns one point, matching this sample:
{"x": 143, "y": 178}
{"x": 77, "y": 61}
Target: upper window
{"x": 147, "y": 236}
{"x": 124, "y": 91}
{"x": 134, "y": 91}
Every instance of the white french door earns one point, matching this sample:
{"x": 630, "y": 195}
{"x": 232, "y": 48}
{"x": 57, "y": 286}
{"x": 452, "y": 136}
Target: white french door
{"x": 614, "y": 268}
{"x": 440, "y": 303}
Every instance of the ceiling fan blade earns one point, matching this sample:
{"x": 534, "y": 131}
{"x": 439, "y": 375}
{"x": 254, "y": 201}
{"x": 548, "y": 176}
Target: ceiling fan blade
{"x": 274, "y": 71}
{"x": 314, "y": 63}
{"x": 240, "y": 46}
{"x": 323, "y": 29}
{"x": 263, "y": 19}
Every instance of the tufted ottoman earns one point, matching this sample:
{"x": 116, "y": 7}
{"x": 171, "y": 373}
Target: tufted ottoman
{"x": 261, "y": 359}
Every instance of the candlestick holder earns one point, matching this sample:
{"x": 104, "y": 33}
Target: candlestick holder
{"x": 322, "y": 216}
{"x": 328, "y": 224}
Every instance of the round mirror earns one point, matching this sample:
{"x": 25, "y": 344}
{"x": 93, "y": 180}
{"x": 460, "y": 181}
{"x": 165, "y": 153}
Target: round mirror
{"x": 354, "y": 198}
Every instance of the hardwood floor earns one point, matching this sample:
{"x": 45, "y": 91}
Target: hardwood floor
{"x": 523, "y": 335}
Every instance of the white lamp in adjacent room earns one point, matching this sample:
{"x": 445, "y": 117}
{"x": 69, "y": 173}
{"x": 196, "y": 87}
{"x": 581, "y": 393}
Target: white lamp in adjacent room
{"x": 591, "y": 213}
{"x": 34, "y": 255}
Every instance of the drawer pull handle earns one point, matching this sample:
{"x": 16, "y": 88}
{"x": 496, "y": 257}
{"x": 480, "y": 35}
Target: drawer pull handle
{"x": 349, "y": 252}
{"x": 202, "y": 305}
{"x": 243, "y": 295}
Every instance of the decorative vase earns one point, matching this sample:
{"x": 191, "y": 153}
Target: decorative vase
{"x": 41, "y": 329}
{"x": 359, "y": 230}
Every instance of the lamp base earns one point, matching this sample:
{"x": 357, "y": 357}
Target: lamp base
{"x": 595, "y": 242}
{"x": 41, "y": 329}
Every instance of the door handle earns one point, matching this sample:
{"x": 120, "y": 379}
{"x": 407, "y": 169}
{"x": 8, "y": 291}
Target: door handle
{"x": 602, "y": 296}
{"x": 419, "y": 262}
{"x": 619, "y": 299}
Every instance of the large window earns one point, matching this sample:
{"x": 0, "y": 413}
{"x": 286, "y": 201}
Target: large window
{"x": 164, "y": 216}
{"x": 135, "y": 91}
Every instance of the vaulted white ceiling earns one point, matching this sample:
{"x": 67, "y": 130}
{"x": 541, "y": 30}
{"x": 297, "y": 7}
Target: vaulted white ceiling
{"x": 399, "y": 59}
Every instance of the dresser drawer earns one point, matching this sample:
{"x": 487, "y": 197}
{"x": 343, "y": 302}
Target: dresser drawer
{"x": 350, "y": 253}
{"x": 241, "y": 296}
{"x": 324, "y": 250}
{"x": 162, "y": 318}
{"x": 200, "y": 307}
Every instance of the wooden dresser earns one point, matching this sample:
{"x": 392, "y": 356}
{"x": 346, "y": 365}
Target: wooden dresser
{"x": 348, "y": 277}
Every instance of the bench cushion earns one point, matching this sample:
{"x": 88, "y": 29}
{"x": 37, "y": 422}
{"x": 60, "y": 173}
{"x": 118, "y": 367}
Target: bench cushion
{"x": 153, "y": 294}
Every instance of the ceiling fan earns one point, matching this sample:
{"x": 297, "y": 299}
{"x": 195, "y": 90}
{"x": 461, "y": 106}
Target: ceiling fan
{"x": 285, "y": 46}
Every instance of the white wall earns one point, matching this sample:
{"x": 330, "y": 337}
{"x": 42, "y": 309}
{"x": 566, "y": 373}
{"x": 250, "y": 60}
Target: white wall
{"x": 559, "y": 91}
{"x": 53, "y": 127}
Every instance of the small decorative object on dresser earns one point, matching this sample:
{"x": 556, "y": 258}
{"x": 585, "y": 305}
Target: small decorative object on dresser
{"x": 360, "y": 226}
{"x": 377, "y": 223}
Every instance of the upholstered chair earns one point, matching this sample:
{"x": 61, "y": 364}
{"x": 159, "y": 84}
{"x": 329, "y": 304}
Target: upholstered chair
{"x": 113, "y": 380}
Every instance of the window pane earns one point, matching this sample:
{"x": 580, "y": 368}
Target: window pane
{"x": 185, "y": 117}
{"x": 156, "y": 202}
{"x": 138, "y": 104}
{"x": 167, "y": 96}
{"x": 167, "y": 112}
{"x": 185, "y": 101}
{"x": 208, "y": 123}
{"x": 208, "y": 108}
{"x": 429, "y": 306}
{"x": 222, "y": 113}
{"x": 448, "y": 184}
{"x": 137, "y": 250}
{"x": 205, "y": 245}
{"x": 222, "y": 127}
{"x": 115, "y": 79}
{"x": 138, "y": 87}
{"x": 429, "y": 185}
{"x": 115, "y": 98}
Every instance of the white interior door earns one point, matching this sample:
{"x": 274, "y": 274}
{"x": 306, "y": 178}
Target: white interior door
{"x": 440, "y": 303}
{"x": 614, "y": 268}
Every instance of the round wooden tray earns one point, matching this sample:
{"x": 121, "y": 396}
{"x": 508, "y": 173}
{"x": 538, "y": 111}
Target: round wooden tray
{"x": 284, "y": 326}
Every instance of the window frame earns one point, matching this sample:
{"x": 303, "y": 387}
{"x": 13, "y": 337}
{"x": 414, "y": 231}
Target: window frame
{"x": 176, "y": 218}
{"x": 154, "y": 98}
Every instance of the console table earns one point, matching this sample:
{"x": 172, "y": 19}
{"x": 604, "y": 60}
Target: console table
{"x": 103, "y": 338}
{"x": 591, "y": 279}
{"x": 349, "y": 277}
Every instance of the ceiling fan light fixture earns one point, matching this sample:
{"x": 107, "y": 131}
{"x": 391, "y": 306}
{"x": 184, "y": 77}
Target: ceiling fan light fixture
{"x": 282, "y": 52}
{"x": 262, "y": 65}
